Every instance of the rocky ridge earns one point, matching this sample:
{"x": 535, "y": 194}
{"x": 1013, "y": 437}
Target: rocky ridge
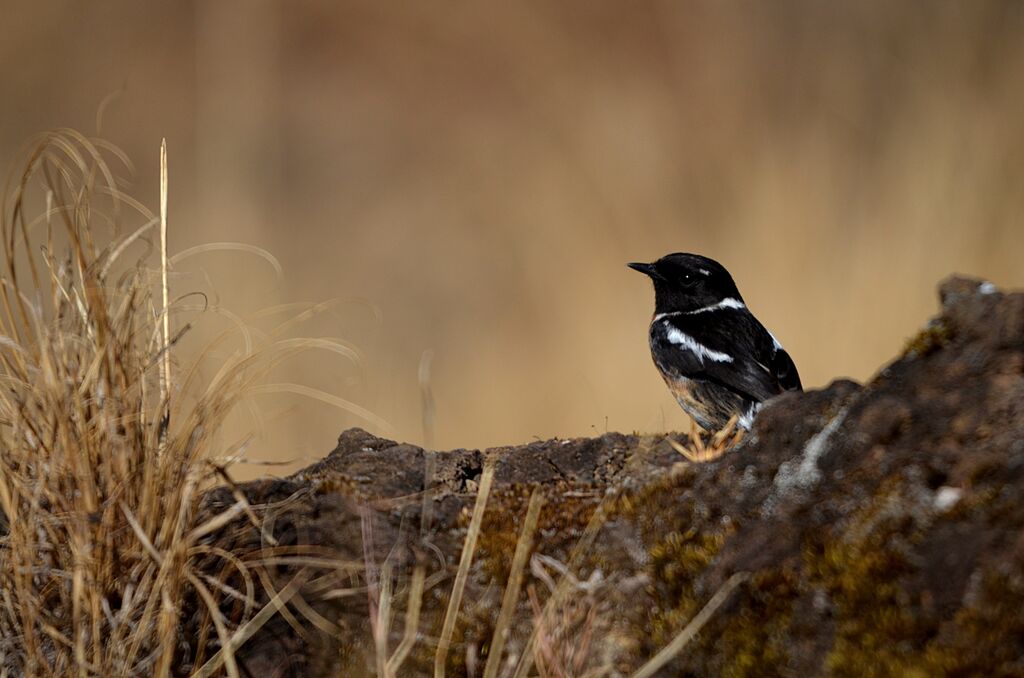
{"x": 875, "y": 530}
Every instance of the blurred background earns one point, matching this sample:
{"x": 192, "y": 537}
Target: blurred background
{"x": 469, "y": 179}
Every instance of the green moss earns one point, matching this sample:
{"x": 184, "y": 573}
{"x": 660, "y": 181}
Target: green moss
{"x": 880, "y": 624}
{"x": 886, "y": 624}
{"x": 876, "y": 623}
{"x": 981, "y": 641}
{"x": 882, "y": 621}
{"x": 755, "y": 640}
{"x": 499, "y": 530}
{"x": 676, "y": 562}
{"x": 885, "y": 629}
{"x": 933, "y": 337}
{"x": 682, "y": 542}
{"x": 679, "y": 550}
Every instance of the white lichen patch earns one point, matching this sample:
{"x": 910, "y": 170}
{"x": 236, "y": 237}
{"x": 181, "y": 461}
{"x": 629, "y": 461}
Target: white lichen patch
{"x": 946, "y": 498}
{"x": 802, "y": 473}
{"x": 806, "y": 473}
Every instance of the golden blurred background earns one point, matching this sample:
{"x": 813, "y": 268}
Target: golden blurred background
{"x": 469, "y": 179}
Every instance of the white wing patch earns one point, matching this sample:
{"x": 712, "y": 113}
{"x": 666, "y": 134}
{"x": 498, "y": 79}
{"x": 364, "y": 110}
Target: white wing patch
{"x": 678, "y": 338}
{"x": 778, "y": 346}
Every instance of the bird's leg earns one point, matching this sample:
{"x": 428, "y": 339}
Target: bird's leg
{"x": 724, "y": 439}
{"x": 696, "y": 438}
{"x": 718, "y": 443}
{"x": 693, "y": 452}
{"x": 727, "y": 431}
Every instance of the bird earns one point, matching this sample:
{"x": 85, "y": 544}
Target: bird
{"x": 717, "y": 359}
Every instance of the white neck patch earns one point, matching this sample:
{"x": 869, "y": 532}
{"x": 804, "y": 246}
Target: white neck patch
{"x": 728, "y": 302}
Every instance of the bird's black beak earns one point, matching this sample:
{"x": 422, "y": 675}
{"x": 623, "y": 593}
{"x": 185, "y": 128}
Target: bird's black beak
{"x": 646, "y": 269}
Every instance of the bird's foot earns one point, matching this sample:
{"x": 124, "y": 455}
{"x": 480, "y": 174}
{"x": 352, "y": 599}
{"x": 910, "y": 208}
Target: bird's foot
{"x": 704, "y": 447}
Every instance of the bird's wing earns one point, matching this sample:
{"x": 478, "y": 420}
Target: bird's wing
{"x": 732, "y": 350}
{"x": 785, "y": 370}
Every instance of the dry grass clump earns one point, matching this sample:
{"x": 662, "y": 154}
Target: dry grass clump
{"x": 102, "y": 464}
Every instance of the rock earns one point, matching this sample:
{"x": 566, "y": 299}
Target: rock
{"x": 880, "y": 529}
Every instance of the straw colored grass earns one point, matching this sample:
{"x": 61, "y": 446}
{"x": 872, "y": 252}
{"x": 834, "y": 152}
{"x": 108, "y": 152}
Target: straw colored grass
{"x": 468, "y": 550}
{"x": 104, "y": 455}
{"x": 510, "y": 598}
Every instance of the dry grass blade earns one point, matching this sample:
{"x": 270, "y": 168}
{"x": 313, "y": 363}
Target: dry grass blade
{"x": 515, "y": 580}
{"x": 266, "y": 613}
{"x": 230, "y": 247}
{"x": 222, "y": 631}
{"x": 373, "y": 591}
{"x": 324, "y": 397}
{"x": 382, "y": 624}
{"x": 677, "y": 644}
{"x": 427, "y": 405}
{"x": 165, "y": 381}
{"x": 412, "y": 622}
{"x": 468, "y": 549}
{"x": 219, "y": 521}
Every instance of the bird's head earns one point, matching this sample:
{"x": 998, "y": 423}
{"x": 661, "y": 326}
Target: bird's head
{"x": 686, "y": 282}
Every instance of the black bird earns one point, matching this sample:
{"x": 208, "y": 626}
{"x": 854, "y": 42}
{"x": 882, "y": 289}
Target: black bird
{"x": 715, "y": 356}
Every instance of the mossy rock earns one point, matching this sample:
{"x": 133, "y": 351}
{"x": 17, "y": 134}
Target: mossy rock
{"x": 878, "y": 527}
